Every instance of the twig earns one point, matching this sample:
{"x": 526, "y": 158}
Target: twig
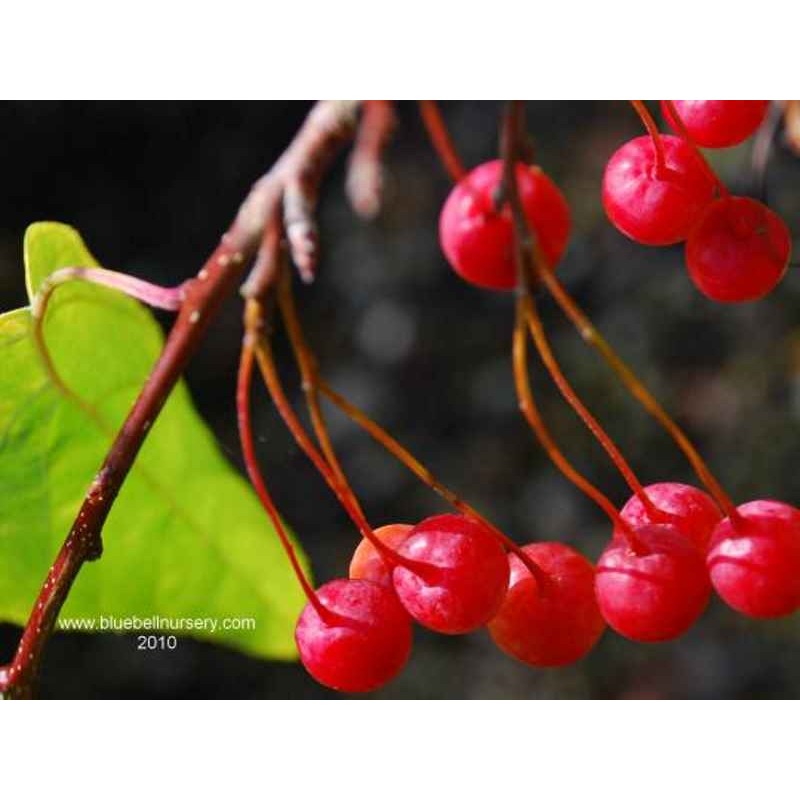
{"x": 201, "y": 301}
{"x": 365, "y": 170}
{"x": 292, "y": 184}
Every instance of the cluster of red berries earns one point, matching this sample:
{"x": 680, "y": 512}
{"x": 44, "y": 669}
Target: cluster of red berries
{"x": 545, "y": 603}
{"x": 658, "y": 190}
{"x": 451, "y": 574}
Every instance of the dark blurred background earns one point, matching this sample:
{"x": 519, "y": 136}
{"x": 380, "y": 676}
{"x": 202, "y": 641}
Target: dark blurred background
{"x": 152, "y": 185}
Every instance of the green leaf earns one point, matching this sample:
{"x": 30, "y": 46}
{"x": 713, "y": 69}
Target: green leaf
{"x": 186, "y": 538}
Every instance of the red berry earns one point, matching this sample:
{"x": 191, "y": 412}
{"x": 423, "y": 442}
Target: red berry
{"x": 755, "y": 563}
{"x": 693, "y": 512}
{"x": 368, "y": 564}
{"x": 738, "y": 251}
{"x": 364, "y": 644}
{"x": 462, "y": 575}
{"x": 718, "y": 123}
{"x": 478, "y": 239}
{"x": 653, "y": 208}
{"x": 550, "y": 623}
{"x": 656, "y": 593}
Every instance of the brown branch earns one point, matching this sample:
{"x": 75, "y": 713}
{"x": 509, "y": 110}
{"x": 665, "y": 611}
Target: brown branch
{"x": 201, "y": 301}
{"x": 365, "y": 170}
{"x": 292, "y": 185}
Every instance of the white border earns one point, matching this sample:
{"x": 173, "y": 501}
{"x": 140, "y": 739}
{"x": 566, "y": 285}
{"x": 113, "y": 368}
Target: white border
{"x": 418, "y": 750}
{"x": 568, "y": 49}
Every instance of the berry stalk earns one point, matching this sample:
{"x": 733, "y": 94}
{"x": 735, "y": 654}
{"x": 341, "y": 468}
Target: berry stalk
{"x": 405, "y": 457}
{"x": 539, "y": 337}
{"x": 511, "y": 135}
{"x": 650, "y": 124}
{"x": 266, "y": 363}
{"x": 635, "y": 387}
{"x": 243, "y": 383}
{"x": 313, "y": 384}
{"x": 531, "y": 413}
{"x": 441, "y": 140}
{"x": 309, "y": 380}
{"x": 530, "y": 254}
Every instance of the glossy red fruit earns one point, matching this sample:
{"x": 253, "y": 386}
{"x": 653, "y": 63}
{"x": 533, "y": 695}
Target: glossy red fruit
{"x": 655, "y": 594}
{"x": 755, "y": 565}
{"x": 738, "y": 251}
{"x": 462, "y": 575}
{"x": 653, "y": 208}
{"x": 718, "y": 123}
{"x": 368, "y": 564}
{"x": 553, "y": 622}
{"x": 478, "y": 240}
{"x": 693, "y": 512}
{"x": 363, "y": 644}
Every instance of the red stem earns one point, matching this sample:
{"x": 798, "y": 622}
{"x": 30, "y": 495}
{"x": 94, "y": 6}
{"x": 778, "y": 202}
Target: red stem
{"x": 243, "y": 383}
{"x": 511, "y": 138}
{"x": 568, "y": 393}
{"x": 650, "y": 124}
{"x": 313, "y": 385}
{"x": 168, "y": 298}
{"x": 266, "y": 363}
{"x": 441, "y": 140}
{"x": 538, "y": 264}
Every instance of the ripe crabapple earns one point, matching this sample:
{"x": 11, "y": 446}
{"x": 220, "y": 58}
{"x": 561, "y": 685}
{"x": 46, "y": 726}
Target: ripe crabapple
{"x": 368, "y": 564}
{"x": 553, "y": 619}
{"x": 692, "y": 511}
{"x": 718, "y": 123}
{"x": 654, "y": 589}
{"x": 755, "y": 561}
{"x": 738, "y": 251}
{"x": 650, "y": 205}
{"x": 477, "y": 236}
{"x": 461, "y": 574}
{"x": 362, "y": 643}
